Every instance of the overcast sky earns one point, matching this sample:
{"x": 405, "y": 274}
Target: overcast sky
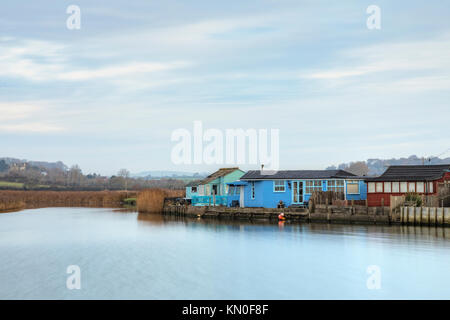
{"x": 109, "y": 95}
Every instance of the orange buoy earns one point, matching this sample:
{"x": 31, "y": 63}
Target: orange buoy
{"x": 281, "y": 216}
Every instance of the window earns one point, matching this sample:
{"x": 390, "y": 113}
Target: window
{"x": 404, "y": 187}
{"x": 420, "y": 187}
{"x": 412, "y": 187}
{"x": 193, "y": 189}
{"x": 313, "y": 186}
{"x": 237, "y": 190}
{"x": 379, "y": 187}
{"x": 231, "y": 190}
{"x": 395, "y": 187}
{"x": 353, "y": 187}
{"x": 253, "y": 190}
{"x": 371, "y": 187}
{"x": 430, "y": 187}
{"x": 279, "y": 186}
{"x": 387, "y": 187}
{"x": 336, "y": 185}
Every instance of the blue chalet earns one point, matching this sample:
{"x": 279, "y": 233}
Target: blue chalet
{"x": 213, "y": 190}
{"x": 293, "y": 187}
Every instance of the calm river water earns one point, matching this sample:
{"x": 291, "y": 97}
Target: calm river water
{"x": 125, "y": 255}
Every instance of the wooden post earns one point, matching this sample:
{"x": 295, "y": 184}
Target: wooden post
{"x": 435, "y": 216}
{"x": 401, "y": 215}
{"x": 421, "y": 213}
{"x": 382, "y": 206}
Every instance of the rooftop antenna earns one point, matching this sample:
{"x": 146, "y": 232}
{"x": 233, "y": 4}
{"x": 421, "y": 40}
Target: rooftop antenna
{"x": 430, "y": 157}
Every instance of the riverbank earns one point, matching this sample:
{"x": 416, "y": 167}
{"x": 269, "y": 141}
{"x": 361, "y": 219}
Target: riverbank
{"x": 11, "y": 200}
{"x": 322, "y": 214}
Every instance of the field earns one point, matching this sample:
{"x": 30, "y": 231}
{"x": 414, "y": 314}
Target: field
{"x": 12, "y": 185}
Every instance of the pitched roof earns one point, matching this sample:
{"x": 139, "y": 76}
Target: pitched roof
{"x": 412, "y": 173}
{"x": 219, "y": 173}
{"x": 298, "y": 174}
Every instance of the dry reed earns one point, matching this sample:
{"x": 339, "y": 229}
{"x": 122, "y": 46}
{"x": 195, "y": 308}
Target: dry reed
{"x": 42, "y": 199}
{"x": 152, "y": 200}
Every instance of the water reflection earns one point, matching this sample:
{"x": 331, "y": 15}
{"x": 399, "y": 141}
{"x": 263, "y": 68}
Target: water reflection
{"x": 126, "y": 255}
{"x": 401, "y": 231}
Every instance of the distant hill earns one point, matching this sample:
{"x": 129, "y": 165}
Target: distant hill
{"x": 378, "y": 166}
{"x": 41, "y": 164}
{"x": 169, "y": 174}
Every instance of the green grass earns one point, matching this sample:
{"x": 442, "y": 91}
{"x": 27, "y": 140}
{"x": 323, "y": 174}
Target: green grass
{"x": 129, "y": 201}
{"x": 15, "y": 185}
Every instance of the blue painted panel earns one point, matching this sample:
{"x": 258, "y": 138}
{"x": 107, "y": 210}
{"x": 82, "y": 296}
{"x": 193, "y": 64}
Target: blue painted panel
{"x": 265, "y": 195}
{"x": 189, "y": 193}
{"x": 362, "y": 192}
{"x": 208, "y": 201}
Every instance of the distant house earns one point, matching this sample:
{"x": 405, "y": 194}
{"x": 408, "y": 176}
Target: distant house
{"x": 295, "y": 187}
{"x": 213, "y": 189}
{"x": 399, "y": 180}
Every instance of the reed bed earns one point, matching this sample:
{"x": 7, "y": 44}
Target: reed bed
{"x": 7, "y": 206}
{"x": 152, "y": 200}
{"x": 42, "y": 199}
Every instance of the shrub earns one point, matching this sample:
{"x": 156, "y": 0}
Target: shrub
{"x": 414, "y": 199}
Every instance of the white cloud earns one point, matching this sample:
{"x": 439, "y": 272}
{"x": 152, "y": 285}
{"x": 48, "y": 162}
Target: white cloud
{"x": 414, "y": 56}
{"x": 30, "y": 127}
{"x": 122, "y": 70}
{"x": 12, "y": 111}
{"x": 47, "y": 61}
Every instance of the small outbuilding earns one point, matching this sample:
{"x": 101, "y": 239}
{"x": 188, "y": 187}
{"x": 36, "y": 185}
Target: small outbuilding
{"x": 424, "y": 180}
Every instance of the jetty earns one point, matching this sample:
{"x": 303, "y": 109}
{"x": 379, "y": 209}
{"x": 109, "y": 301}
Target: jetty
{"x": 420, "y": 216}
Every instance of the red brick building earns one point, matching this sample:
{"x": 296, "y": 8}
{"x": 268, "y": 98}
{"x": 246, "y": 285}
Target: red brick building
{"x": 399, "y": 180}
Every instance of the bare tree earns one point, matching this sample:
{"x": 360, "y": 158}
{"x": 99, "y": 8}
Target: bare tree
{"x": 75, "y": 175}
{"x": 359, "y": 168}
{"x": 125, "y": 174}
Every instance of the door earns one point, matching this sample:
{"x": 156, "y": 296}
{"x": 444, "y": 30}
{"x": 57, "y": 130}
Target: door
{"x": 297, "y": 192}
{"x": 241, "y": 197}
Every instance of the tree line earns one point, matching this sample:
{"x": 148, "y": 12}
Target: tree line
{"x": 39, "y": 177}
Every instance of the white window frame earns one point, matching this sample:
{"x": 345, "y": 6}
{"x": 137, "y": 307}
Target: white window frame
{"x": 396, "y": 187}
{"x": 413, "y": 185}
{"x": 378, "y": 189}
{"x": 279, "y": 185}
{"x": 353, "y": 183}
{"x": 403, "y": 187}
{"x": 387, "y": 187}
{"x": 420, "y": 187}
{"x": 430, "y": 187}
{"x": 371, "y": 187}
